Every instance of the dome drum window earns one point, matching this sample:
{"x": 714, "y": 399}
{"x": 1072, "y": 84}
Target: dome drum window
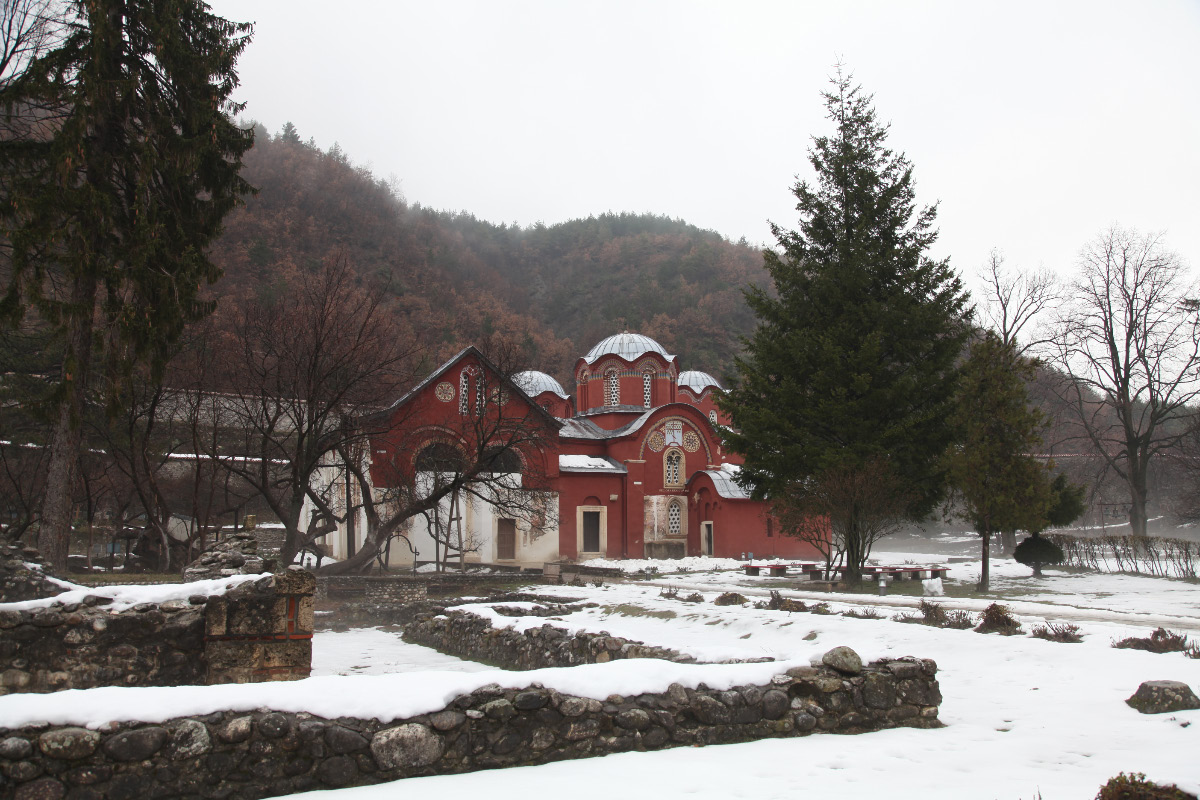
{"x": 612, "y": 388}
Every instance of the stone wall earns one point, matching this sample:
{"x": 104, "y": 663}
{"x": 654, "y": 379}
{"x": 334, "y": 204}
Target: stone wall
{"x": 260, "y": 630}
{"x": 371, "y": 589}
{"x": 472, "y": 637}
{"x": 270, "y": 753}
{"x": 23, "y": 576}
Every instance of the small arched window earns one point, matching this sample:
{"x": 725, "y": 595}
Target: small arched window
{"x": 673, "y": 468}
{"x": 612, "y": 388}
{"x": 674, "y": 519}
{"x": 469, "y": 375}
{"x": 712, "y": 417}
{"x": 647, "y": 386}
{"x": 464, "y": 391}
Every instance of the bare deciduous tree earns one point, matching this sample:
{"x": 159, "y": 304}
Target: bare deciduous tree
{"x": 844, "y": 512}
{"x": 28, "y": 29}
{"x": 1018, "y": 302}
{"x": 1130, "y": 341}
{"x": 304, "y": 368}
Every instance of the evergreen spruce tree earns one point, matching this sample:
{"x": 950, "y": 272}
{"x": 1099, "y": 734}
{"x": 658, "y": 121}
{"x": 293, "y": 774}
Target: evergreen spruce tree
{"x": 118, "y": 162}
{"x": 1003, "y": 486}
{"x": 851, "y": 367}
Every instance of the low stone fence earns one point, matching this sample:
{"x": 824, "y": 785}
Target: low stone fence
{"x": 258, "y": 631}
{"x": 269, "y": 753}
{"x": 371, "y": 589}
{"x": 22, "y": 574}
{"x": 472, "y": 637}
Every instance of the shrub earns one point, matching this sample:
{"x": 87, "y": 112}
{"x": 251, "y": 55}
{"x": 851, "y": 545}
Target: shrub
{"x": 1058, "y": 632}
{"x": 959, "y": 620}
{"x": 1161, "y": 641}
{"x": 1036, "y": 552}
{"x": 996, "y": 619}
{"x": 780, "y": 603}
{"x": 863, "y": 613}
{"x": 1135, "y": 787}
{"x": 909, "y": 618}
{"x": 821, "y": 608}
{"x": 932, "y": 614}
{"x": 671, "y": 593}
{"x": 729, "y": 599}
{"x": 694, "y": 597}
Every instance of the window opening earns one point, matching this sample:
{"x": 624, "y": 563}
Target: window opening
{"x": 674, "y": 519}
{"x": 712, "y": 417}
{"x": 612, "y": 388}
{"x": 464, "y": 388}
{"x": 647, "y": 384}
{"x": 673, "y": 468}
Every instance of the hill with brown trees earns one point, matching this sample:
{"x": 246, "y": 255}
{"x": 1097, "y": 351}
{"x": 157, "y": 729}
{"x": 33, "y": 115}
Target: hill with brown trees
{"x": 550, "y": 291}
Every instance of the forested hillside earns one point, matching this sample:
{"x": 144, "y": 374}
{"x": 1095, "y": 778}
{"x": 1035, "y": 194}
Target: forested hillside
{"x": 552, "y": 290}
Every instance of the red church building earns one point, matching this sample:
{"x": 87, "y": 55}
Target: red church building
{"x": 632, "y": 466}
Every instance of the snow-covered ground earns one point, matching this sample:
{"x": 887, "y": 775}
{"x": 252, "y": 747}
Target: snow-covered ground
{"x": 1022, "y": 715}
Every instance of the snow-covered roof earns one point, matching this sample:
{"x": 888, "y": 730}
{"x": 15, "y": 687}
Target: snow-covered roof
{"x": 698, "y": 381}
{"x": 534, "y": 383}
{"x": 626, "y": 345}
{"x": 578, "y": 463}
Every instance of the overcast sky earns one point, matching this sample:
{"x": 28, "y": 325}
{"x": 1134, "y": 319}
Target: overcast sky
{"x": 1034, "y": 125}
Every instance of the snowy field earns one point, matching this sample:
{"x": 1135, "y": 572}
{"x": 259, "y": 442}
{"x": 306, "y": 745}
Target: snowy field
{"x": 1023, "y": 716}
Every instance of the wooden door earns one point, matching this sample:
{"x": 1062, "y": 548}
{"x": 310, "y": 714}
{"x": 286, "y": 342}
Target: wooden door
{"x": 506, "y": 540}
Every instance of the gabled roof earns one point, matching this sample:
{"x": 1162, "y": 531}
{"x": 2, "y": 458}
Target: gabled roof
{"x": 470, "y": 350}
{"x": 582, "y": 428}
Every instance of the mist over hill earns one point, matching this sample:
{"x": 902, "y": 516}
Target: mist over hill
{"x": 553, "y": 291}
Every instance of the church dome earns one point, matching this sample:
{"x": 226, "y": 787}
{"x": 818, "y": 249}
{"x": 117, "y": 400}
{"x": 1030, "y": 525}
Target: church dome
{"x": 534, "y": 383}
{"x": 697, "y": 381}
{"x": 626, "y": 345}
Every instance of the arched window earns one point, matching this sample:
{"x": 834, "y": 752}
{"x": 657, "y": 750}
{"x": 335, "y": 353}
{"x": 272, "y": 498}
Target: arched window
{"x": 464, "y": 391}
{"x": 712, "y": 417}
{"x": 673, "y": 468}
{"x": 612, "y": 388}
{"x": 674, "y": 519}
{"x": 647, "y": 385}
{"x": 501, "y": 459}
{"x": 480, "y": 393}
{"x": 439, "y": 457}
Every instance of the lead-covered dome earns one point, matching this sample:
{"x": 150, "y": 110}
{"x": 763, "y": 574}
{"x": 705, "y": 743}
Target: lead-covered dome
{"x": 626, "y": 345}
{"x": 698, "y": 381}
{"x": 534, "y": 383}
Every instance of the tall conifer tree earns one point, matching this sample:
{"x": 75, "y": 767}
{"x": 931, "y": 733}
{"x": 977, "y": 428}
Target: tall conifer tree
{"x": 118, "y": 162}
{"x": 1003, "y": 486}
{"x": 851, "y": 367}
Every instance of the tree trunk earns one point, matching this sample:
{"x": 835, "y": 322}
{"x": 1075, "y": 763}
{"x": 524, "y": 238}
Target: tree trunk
{"x": 1137, "y": 502}
{"x": 985, "y": 566}
{"x": 54, "y": 533}
{"x": 1008, "y": 542}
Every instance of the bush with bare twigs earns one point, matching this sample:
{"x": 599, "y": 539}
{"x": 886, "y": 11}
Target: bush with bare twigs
{"x": 1161, "y": 641}
{"x": 1063, "y": 632}
{"x": 996, "y": 619}
{"x": 729, "y": 599}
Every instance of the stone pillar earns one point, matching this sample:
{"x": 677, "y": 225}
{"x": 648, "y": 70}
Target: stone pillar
{"x": 262, "y": 633}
